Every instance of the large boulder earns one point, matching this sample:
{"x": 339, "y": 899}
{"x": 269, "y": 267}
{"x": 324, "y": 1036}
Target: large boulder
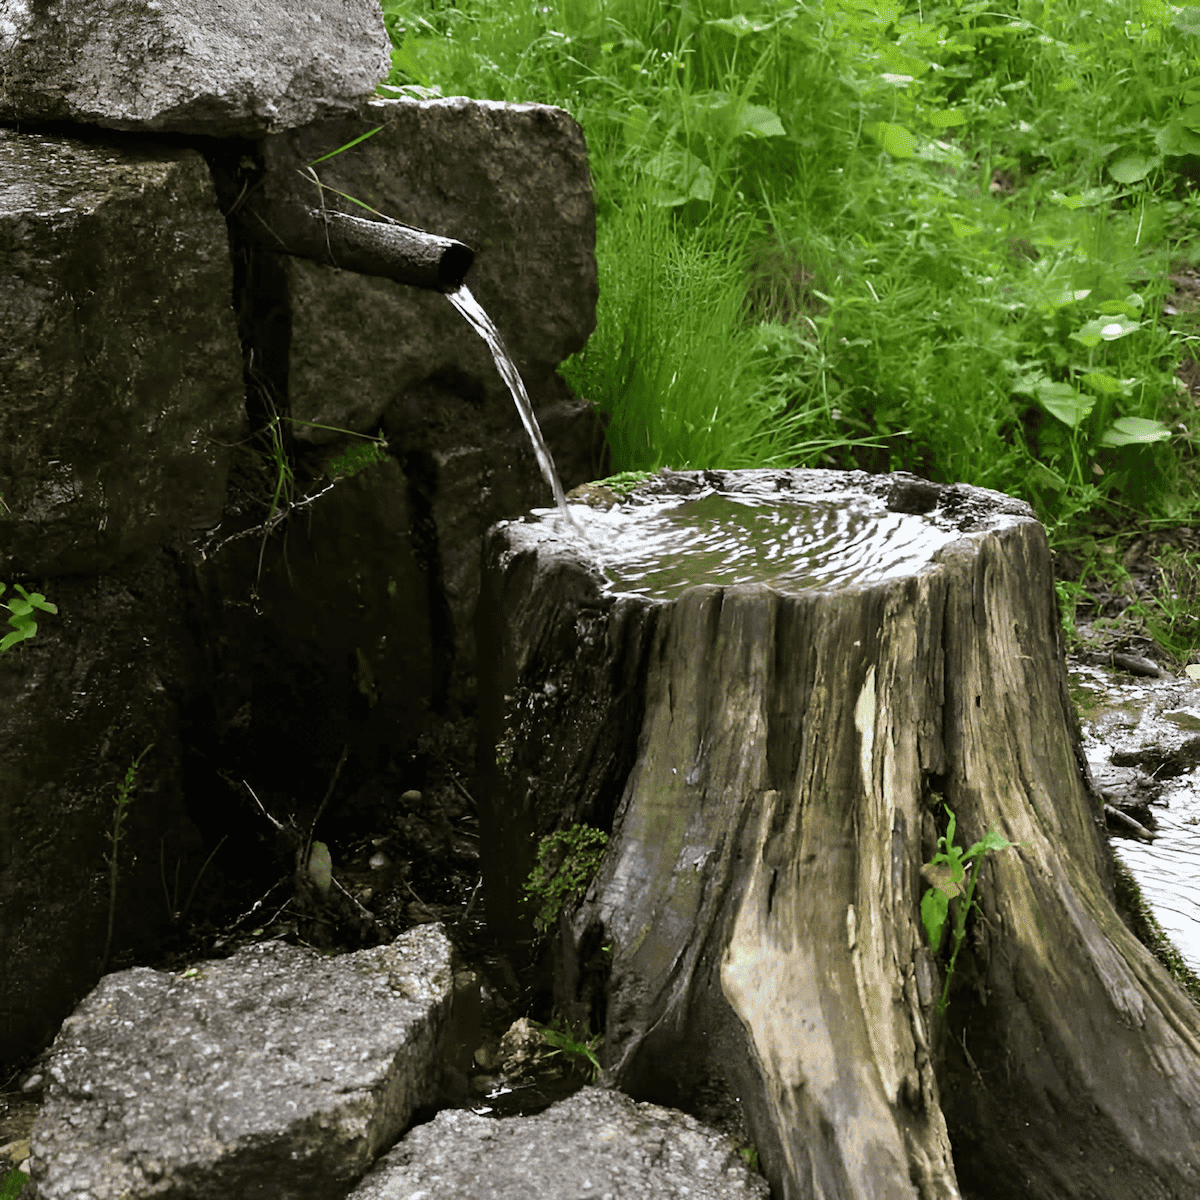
{"x": 595, "y": 1143}
{"x": 119, "y": 367}
{"x": 277, "y": 1073}
{"x": 204, "y": 66}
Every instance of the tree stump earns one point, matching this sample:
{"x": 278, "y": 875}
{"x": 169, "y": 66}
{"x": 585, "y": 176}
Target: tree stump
{"x": 774, "y": 763}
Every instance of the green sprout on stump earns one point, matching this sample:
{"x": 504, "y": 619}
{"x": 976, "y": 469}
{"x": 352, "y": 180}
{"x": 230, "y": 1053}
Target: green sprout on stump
{"x": 946, "y": 872}
{"x": 567, "y": 860}
{"x": 22, "y": 609}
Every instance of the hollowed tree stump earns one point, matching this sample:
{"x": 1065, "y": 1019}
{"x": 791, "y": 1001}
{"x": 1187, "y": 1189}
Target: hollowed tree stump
{"x": 772, "y": 765}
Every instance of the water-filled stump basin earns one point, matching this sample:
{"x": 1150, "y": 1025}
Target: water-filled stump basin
{"x": 769, "y": 687}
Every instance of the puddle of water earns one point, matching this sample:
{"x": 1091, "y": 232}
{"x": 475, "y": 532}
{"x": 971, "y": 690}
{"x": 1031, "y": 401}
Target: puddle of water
{"x": 1118, "y": 714}
{"x": 475, "y": 316}
{"x": 792, "y": 542}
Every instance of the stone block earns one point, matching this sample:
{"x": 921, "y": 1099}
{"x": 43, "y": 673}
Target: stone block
{"x": 120, "y": 368}
{"x": 509, "y": 180}
{"x": 203, "y": 66}
{"x": 277, "y": 1074}
{"x": 595, "y": 1143}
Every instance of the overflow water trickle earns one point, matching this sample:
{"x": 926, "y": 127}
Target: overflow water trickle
{"x": 477, "y": 318}
{"x": 661, "y": 548}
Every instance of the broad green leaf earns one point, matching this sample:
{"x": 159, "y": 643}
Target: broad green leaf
{"x": 759, "y": 122}
{"x": 1064, "y": 402}
{"x": 934, "y": 906}
{"x": 1175, "y": 137}
{"x": 946, "y": 118}
{"x": 1129, "y": 168}
{"x": 1131, "y": 306}
{"x": 1098, "y": 383}
{"x": 1084, "y": 199}
{"x": 1130, "y": 431}
{"x": 683, "y": 176}
{"x": 895, "y": 139}
{"x": 962, "y": 228}
{"x": 1105, "y": 329}
{"x": 1191, "y": 117}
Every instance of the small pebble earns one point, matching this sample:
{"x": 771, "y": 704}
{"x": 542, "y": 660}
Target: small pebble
{"x": 379, "y": 860}
{"x": 411, "y": 797}
{"x": 32, "y": 1083}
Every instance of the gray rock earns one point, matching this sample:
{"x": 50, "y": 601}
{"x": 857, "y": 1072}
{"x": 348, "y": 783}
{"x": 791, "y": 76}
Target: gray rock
{"x": 99, "y": 683}
{"x": 120, "y": 368}
{"x": 192, "y": 66}
{"x": 595, "y": 1145}
{"x": 509, "y": 180}
{"x": 276, "y": 1073}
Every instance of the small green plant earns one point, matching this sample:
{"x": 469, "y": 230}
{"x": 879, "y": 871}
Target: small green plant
{"x": 578, "y": 1044}
{"x": 358, "y": 456}
{"x": 1171, "y": 618}
{"x": 21, "y": 619}
{"x": 749, "y": 1156}
{"x": 120, "y": 812}
{"x": 946, "y": 872}
{"x": 624, "y": 482}
{"x": 567, "y": 860}
{"x": 12, "y": 1184}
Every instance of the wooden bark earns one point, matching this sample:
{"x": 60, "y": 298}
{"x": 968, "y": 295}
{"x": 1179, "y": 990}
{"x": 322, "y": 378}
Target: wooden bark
{"x": 773, "y": 769}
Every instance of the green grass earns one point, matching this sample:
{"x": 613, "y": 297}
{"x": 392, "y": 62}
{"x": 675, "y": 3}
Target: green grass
{"x": 923, "y": 236}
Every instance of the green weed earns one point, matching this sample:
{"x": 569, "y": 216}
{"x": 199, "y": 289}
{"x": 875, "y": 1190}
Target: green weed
{"x": 1172, "y": 617}
{"x": 946, "y": 872}
{"x": 12, "y": 1183}
{"x": 21, "y": 610}
{"x": 121, "y": 803}
{"x": 931, "y": 236}
{"x": 567, "y": 860}
{"x": 579, "y": 1045}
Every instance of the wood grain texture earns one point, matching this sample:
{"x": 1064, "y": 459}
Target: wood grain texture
{"x": 773, "y": 768}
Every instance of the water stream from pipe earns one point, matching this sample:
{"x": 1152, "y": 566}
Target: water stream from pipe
{"x": 475, "y": 316}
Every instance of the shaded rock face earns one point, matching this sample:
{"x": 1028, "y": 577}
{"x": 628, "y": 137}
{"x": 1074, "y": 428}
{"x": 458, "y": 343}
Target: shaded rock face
{"x": 99, "y": 684}
{"x": 596, "y": 1143}
{"x": 275, "y": 1073}
{"x": 120, "y": 370}
{"x": 204, "y": 67}
{"x": 147, "y": 459}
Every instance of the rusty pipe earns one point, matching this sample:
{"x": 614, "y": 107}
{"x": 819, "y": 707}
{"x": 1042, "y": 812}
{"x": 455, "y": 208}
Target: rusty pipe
{"x": 337, "y": 239}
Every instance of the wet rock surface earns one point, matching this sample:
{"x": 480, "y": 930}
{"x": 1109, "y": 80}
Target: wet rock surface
{"x": 119, "y": 367}
{"x": 205, "y": 67}
{"x": 275, "y": 1073}
{"x": 595, "y": 1144}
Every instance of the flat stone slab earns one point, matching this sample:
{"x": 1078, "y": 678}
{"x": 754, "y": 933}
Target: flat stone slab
{"x": 192, "y": 66}
{"x": 595, "y": 1145}
{"x": 277, "y": 1073}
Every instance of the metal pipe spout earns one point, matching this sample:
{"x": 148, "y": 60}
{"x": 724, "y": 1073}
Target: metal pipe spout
{"x": 385, "y": 248}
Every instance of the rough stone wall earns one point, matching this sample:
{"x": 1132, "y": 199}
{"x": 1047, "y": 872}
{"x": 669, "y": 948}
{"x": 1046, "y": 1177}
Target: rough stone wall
{"x": 210, "y": 67}
{"x": 120, "y": 369}
{"x": 140, "y": 477}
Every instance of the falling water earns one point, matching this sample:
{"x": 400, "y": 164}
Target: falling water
{"x": 477, "y": 318}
